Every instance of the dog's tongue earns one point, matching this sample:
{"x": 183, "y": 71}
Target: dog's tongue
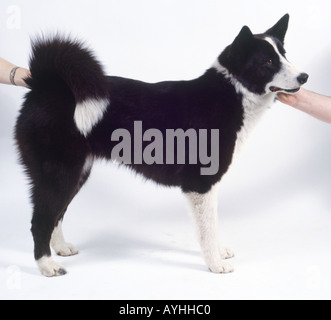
{"x": 275, "y": 89}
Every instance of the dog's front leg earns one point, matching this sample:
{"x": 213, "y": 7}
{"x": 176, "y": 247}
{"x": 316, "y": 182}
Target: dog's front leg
{"x": 204, "y": 208}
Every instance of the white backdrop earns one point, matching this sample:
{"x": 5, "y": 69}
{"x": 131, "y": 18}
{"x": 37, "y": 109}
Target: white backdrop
{"x": 137, "y": 240}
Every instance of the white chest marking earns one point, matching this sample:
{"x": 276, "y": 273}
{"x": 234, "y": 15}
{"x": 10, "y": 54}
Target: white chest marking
{"x": 254, "y": 106}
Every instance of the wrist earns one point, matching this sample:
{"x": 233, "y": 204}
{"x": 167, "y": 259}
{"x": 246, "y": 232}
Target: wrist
{"x": 20, "y": 75}
{"x": 301, "y": 99}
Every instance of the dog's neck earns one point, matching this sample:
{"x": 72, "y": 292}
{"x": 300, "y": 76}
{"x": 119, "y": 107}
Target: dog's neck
{"x": 250, "y": 99}
{"x": 253, "y": 104}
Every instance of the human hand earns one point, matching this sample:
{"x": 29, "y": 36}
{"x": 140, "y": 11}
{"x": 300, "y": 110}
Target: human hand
{"x": 290, "y": 99}
{"x": 314, "y": 104}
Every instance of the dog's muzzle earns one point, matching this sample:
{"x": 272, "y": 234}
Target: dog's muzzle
{"x": 302, "y": 79}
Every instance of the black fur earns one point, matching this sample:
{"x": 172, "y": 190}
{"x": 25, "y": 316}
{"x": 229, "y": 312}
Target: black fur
{"x": 65, "y": 73}
{"x": 247, "y": 59}
{"x": 196, "y": 104}
{"x": 53, "y": 151}
{"x": 59, "y": 61}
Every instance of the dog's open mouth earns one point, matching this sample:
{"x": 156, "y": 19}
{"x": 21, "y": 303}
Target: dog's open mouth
{"x": 276, "y": 89}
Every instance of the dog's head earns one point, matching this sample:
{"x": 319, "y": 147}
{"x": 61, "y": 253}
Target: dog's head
{"x": 259, "y": 63}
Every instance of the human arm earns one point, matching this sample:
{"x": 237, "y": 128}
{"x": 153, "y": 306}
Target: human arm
{"x": 20, "y": 74}
{"x": 314, "y": 104}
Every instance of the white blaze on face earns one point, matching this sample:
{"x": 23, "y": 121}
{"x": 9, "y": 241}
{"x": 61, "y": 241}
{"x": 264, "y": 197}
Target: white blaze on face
{"x": 287, "y": 78}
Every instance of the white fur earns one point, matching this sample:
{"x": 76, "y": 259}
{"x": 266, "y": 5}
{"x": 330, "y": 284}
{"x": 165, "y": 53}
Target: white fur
{"x": 88, "y": 164}
{"x": 60, "y": 246}
{"x": 287, "y": 77}
{"x": 204, "y": 208}
{"x": 89, "y": 113}
{"x": 49, "y": 268}
{"x": 254, "y": 106}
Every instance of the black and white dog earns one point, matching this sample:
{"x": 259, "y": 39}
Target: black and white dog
{"x": 73, "y": 109}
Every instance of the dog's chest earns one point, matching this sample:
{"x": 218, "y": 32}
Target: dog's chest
{"x": 253, "y": 109}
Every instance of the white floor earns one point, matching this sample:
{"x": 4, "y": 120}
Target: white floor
{"x": 137, "y": 241}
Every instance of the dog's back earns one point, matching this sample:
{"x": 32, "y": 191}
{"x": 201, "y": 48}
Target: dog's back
{"x": 73, "y": 112}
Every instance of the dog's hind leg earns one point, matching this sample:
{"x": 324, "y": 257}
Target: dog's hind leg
{"x": 204, "y": 208}
{"x": 58, "y": 243}
{"x": 60, "y": 246}
{"x": 52, "y": 192}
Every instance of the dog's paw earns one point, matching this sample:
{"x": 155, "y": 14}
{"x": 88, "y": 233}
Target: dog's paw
{"x": 60, "y": 246}
{"x": 226, "y": 253}
{"x": 49, "y": 268}
{"x": 221, "y": 267}
{"x": 65, "y": 249}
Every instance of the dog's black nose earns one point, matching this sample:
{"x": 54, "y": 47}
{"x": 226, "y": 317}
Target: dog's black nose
{"x": 303, "y": 78}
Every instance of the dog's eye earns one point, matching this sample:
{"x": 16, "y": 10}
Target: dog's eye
{"x": 269, "y": 62}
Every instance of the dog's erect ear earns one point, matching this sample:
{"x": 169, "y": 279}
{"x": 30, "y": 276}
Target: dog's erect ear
{"x": 244, "y": 40}
{"x": 280, "y": 28}
{"x": 234, "y": 56}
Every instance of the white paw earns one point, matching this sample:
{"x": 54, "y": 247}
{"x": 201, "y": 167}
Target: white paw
{"x": 49, "y": 268}
{"x": 65, "y": 249}
{"x": 226, "y": 253}
{"x": 60, "y": 246}
{"x": 221, "y": 267}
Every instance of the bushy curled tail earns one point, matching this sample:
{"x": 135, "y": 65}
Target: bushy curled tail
{"x": 58, "y": 60}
